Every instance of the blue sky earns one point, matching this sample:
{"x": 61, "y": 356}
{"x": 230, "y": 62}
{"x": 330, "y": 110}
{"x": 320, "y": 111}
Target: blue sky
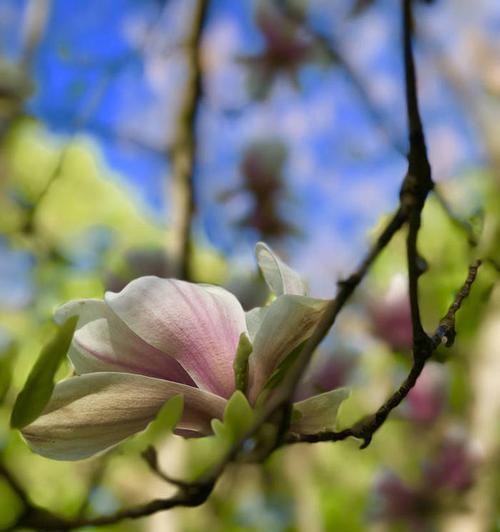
{"x": 94, "y": 74}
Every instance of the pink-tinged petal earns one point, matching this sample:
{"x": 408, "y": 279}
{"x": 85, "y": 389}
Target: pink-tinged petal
{"x": 289, "y": 320}
{"x": 91, "y": 413}
{"x": 197, "y": 325}
{"x": 102, "y": 342}
{"x": 280, "y": 278}
{"x": 318, "y": 413}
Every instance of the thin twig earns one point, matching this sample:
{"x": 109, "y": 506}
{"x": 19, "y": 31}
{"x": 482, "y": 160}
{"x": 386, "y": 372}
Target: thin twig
{"x": 446, "y": 331}
{"x": 366, "y": 427}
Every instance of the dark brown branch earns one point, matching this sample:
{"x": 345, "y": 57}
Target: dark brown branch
{"x": 446, "y": 331}
{"x": 418, "y": 181}
{"x": 416, "y": 186}
{"x": 39, "y": 519}
{"x": 183, "y": 149}
{"x": 366, "y": 427}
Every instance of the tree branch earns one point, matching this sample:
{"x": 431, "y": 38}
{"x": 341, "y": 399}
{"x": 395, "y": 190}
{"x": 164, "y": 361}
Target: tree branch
{"x": 418, "y": 181}
{"x": 366, "y": 427}
{"x": 183, "y": 150}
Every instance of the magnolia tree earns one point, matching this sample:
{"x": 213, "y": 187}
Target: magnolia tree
{"x": 239, "y": 366}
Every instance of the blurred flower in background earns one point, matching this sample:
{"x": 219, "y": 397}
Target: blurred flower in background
{"x": 287, "y": 47}
{"x": 426, "y": 402}
{"x": 444, "y": 478}
{"x": 262, "y": 170}
{"x": 390, "y": 315}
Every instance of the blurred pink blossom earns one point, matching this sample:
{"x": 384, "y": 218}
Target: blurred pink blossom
{"x": 391, "y": 316}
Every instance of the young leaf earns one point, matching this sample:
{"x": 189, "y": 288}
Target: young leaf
{"x": 240, "y": 364}
{"x": 238, "y": 414}
{"x": 169, "y": 415}
{"x": 220, "y": 431}
{"x": 318, "y": 413}
{"x": 40, "y": 383}
{"x": 238, "y": 418}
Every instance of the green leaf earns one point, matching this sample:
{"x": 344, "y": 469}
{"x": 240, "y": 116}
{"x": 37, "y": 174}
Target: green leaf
{"x": 220, "y": 430}
{"x": 40, "y": 383}
{"x": 169, "y": 415}
{"x": 6, "y": 360}
{"x": 318, "y": 413}
{"x": 238, "y": 414}
{"x": 240, "y": 364}
{"x": 238, "y": 418}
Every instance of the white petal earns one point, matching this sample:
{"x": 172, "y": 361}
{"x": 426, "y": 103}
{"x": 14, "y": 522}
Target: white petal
{"x": 93, "y": 412}
{"x": 318, "y": 413}
{"x": 197, "y": 325}
{"x": 102, "y": 342}
{"x": 280, "y": 278}
{"x": 289, "y": 321}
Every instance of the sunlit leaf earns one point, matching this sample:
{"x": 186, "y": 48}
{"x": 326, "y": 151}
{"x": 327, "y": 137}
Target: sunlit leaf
{"x": 238, "y": 418}
{"x": 165, "y": 422}
{"x": 238, "y": 415}
{"x": 318, "y": 413}
{"x": 40, "y": 383}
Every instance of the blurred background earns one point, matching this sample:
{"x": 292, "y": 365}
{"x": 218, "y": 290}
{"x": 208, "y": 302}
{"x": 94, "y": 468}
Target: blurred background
{"x": 166, "y": 137}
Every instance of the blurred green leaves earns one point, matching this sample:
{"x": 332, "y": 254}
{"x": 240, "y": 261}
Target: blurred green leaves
{"x": 7, "y": 358}
{"x": 40, "y": 383}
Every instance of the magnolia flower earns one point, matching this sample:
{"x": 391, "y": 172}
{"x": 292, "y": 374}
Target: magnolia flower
{"x": 159, "y": 338}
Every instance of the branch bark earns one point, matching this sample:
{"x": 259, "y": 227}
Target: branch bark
{"x": 366, "y": 427}
{"x": 183, "y": 150}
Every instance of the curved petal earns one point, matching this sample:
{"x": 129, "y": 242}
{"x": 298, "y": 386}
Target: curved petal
{"x": 197, "y": 325}
{"x": 254, "y": 319}
{"x": 289, "y": 320}
{"x": 280, "y": 278}
{"x": 318, "y": 413}
{"x": 93, "y": 412}
{"x": 102, "y": 342}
